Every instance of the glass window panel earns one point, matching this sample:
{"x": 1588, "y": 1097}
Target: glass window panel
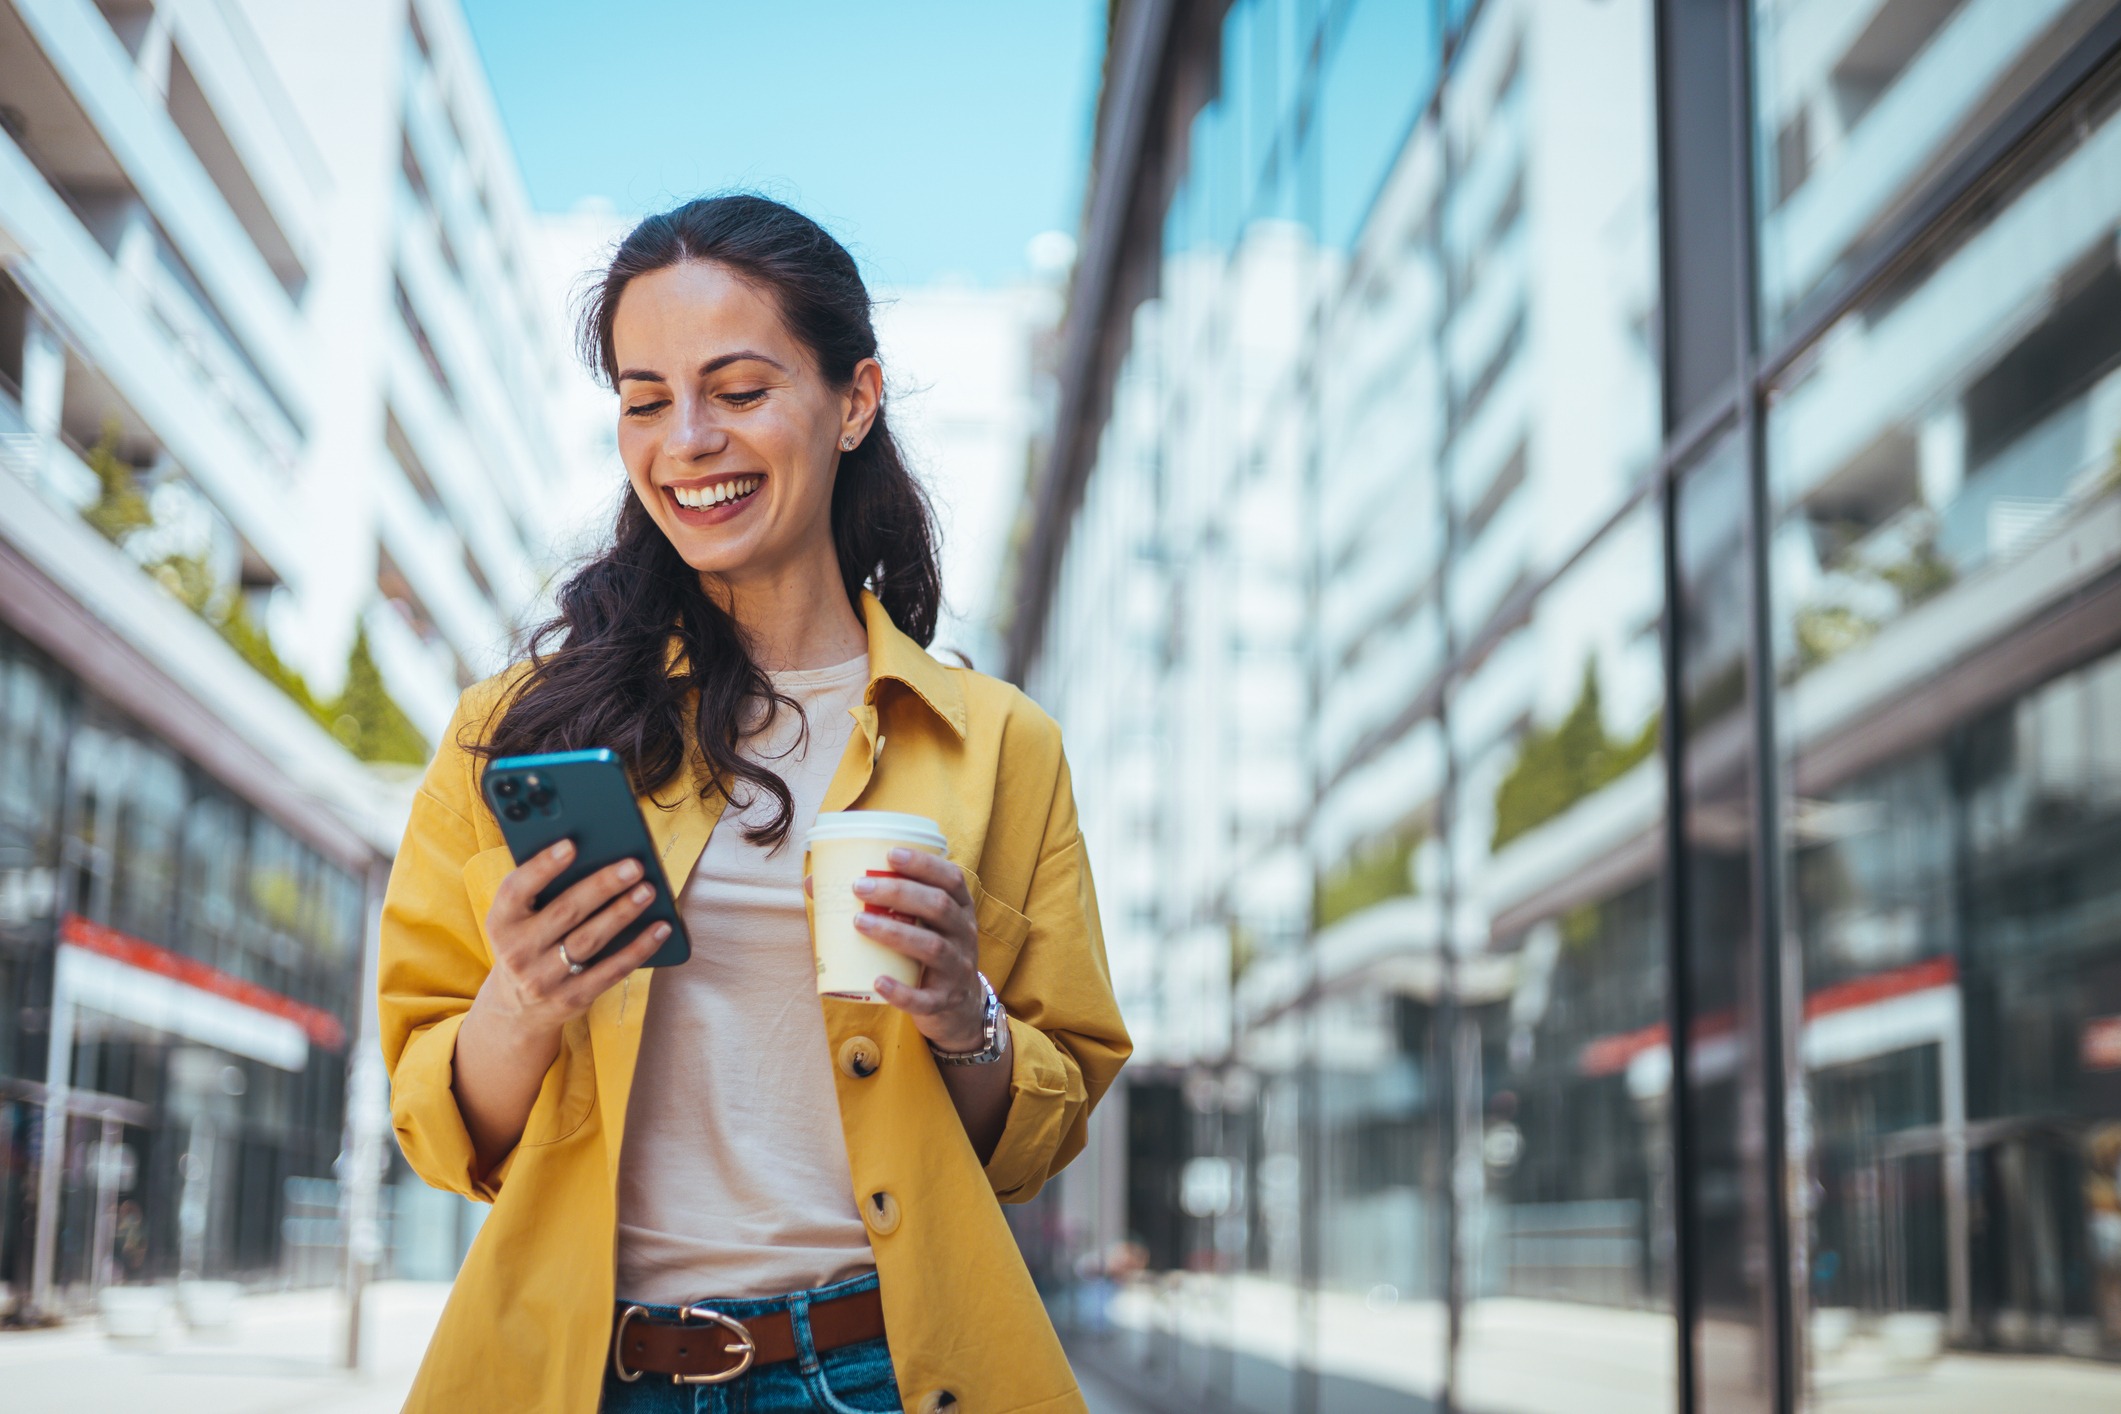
{"x": 1945, "y": 438}
{"x": 1380, "y": 1129}
{"x": 1568, "y": 1233}
{"x": 149, "y": 781}
{"x": 1381, "y": 67}
{"x": 212, "y": 881}
{"x": 32, "y": 750}
{"x": 1946, "y": 474}
{"x": 1860, "y": 104}
{"x": 87, "y": 850}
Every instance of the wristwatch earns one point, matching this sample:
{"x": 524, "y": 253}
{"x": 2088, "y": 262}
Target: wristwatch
{"x": 996, "y": 1034}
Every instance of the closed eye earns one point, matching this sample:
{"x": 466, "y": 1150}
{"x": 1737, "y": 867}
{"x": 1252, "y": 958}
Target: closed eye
{"x": 648, "y": 409}
{"x": 744, "y": 399}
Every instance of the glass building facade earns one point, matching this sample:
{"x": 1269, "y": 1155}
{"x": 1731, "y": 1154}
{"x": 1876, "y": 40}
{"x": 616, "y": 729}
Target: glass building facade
{"x": 1581, "y": 567}
{"x": 199, "y": 965}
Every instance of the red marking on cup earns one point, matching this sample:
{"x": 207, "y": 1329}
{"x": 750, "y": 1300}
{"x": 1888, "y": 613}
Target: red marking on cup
{"x": 879, "y": 908}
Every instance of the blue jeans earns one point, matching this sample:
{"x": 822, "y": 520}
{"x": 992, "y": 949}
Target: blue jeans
{"x": 854, "y": 1379}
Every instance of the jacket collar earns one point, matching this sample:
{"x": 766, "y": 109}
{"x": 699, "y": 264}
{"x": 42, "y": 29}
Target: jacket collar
{"x": 893, "y": 657}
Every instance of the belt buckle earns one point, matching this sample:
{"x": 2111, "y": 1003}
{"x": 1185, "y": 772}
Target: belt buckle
{"x": 618, "y": 1344}
{"x": 745, "y": 1346}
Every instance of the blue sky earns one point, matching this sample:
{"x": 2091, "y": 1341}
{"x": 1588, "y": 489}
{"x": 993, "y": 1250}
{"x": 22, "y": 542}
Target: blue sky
{"x": 935, "y": 137}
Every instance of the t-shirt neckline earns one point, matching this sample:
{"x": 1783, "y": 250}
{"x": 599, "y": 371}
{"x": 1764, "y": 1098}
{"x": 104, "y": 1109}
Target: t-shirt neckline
{"x": 838, "y": 675}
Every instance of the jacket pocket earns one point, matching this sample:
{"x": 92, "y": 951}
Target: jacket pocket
{"x": 569, "y": 1092}
{"x": 483, "y": 873}
{"x": 1002, "y": 931}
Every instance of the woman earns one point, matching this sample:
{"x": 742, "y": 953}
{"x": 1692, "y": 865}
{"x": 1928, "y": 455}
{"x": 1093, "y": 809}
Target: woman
{"x": 654, "y": 1141}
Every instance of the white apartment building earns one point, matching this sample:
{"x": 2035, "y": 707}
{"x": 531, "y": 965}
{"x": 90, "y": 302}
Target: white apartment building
{"x": 277, "y": 375}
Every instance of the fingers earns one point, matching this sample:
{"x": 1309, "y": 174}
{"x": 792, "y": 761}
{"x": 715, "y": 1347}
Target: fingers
{"x": 923, "y": 945}
{"x": 923, "y": 901}
{"x": 566, "y": 913}
{"x": 589, "y": 940}
{"x": 920, "y": 1001}
{"x": 606, "y": 970}
{"x": 934, "y": 870}
{"x": 949, "y": 1017}
{"x": 528, "y": 879}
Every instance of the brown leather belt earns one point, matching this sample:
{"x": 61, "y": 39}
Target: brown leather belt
{"x": 705, "y": 1347}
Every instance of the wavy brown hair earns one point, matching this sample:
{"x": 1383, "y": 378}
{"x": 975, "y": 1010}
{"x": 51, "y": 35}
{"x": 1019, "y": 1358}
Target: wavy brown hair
{"x": 600, "y": 672}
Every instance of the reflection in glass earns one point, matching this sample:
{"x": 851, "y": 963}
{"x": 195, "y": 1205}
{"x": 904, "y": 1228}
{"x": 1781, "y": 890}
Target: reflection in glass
{"x": 1859, "y": 104}
{"x": 1569, "y": 1275}
{"x": 1947, "y": 478}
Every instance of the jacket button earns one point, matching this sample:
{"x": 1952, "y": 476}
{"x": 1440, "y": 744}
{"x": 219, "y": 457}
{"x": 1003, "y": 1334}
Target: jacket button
{"x": 881, "y": 1213}
{"x": 936, "y": 1401}
{"x": 859, "y": 1057}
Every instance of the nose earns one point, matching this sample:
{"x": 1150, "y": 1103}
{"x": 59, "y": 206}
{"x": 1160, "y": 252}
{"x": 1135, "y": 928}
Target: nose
{"x": 695, "y": 433}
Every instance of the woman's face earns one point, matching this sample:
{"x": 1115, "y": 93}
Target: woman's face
{"x": 730, "y": 434}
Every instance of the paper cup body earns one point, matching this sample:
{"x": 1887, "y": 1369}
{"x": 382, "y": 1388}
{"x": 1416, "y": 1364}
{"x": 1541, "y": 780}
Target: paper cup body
{"x": 847, "y": 845}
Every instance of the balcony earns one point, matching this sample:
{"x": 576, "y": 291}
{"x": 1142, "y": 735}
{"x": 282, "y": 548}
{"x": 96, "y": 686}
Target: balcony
{"x": 146, "y": 346}
{"x": 70, "y": 45}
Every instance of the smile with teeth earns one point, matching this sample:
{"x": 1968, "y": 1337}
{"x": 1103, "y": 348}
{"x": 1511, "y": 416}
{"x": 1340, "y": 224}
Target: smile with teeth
{"x": 699, "y": 498}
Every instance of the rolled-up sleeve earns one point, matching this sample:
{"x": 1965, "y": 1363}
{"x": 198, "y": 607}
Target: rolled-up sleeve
{"x": 432, "y": 961}
{"x": 1064, "y": 1024}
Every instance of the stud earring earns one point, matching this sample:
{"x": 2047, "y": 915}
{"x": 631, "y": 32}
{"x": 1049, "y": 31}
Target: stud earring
{"x": 846, "y": 444}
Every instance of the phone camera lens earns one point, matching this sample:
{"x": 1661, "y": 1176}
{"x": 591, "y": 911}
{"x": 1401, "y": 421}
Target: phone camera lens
{"x": 540, "y": 792}
{"x": 516, "y": 810}
{"x": 506, "y": 787}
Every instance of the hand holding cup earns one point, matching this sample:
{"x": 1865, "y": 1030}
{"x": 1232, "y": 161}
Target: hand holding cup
{"x": 927, "y": 916}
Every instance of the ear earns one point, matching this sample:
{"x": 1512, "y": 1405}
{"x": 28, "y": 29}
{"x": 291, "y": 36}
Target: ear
{"x": 858, "y": 406}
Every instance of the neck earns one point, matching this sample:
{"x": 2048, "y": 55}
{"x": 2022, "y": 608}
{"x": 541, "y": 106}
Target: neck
{"x": 797, "y": 617}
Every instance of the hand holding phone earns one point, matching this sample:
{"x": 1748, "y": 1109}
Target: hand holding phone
{"x": 550, "y": 963}
{"x": 587, "y": 887}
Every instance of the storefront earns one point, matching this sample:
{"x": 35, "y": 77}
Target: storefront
{"x": 179, "y": 977}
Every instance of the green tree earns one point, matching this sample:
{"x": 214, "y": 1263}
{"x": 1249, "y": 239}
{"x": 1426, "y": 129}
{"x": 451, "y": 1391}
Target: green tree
{"x": 253, "y": 643}
{"x": 364, "y": 717}
{"x": 190, "y": 580}
{"x": 1560, "y": 765}
{"x": 1371, "y": 875}
{"x": 120, "y": 509}
{"x": 367, "y": 720}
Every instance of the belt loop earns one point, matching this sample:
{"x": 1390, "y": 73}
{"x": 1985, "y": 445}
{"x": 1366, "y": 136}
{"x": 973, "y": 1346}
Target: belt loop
{"x": 799, "y": 1325}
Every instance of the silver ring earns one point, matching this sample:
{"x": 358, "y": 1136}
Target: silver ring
{"x": 574, "y": 969}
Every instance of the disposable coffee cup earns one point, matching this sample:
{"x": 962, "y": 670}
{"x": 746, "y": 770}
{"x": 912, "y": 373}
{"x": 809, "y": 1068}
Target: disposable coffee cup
{"x": 846, "y": 845}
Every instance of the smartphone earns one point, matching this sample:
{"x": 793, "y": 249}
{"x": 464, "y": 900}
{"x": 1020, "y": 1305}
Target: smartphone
{"x": 583, "y": 796}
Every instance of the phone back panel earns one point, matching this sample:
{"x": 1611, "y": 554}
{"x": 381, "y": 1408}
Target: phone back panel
{"x": 583, "y": 796}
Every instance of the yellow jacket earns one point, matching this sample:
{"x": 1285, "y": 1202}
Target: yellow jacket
{"x": 528, "y": 1324}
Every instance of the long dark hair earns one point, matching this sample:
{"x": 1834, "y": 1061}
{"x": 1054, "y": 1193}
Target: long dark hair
{"x": 601, "y": 672}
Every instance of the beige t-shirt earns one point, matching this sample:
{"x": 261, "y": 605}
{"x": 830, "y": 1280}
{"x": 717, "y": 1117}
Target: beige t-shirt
{"x": 734, "y": 1179}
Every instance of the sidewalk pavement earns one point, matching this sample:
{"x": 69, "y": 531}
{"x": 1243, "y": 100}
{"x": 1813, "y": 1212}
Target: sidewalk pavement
{"x": 281, "y": 1357}
{"x": 1525, "y": 1356}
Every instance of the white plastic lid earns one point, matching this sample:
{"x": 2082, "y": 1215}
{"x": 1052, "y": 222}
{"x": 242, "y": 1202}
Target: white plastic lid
{"x": 876, "y": 825}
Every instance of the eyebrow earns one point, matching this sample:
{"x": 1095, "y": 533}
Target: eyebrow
{"x": 712, "y": 365}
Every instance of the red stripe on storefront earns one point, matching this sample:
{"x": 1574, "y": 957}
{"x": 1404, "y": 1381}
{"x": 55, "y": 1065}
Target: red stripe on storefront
{"x": 1609, "y": 1055}
{"x": 321, "y": 1026}
{"x": 1882, "y": 986}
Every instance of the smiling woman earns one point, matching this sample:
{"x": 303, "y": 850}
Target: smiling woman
{"x": 667, "y": 1156}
